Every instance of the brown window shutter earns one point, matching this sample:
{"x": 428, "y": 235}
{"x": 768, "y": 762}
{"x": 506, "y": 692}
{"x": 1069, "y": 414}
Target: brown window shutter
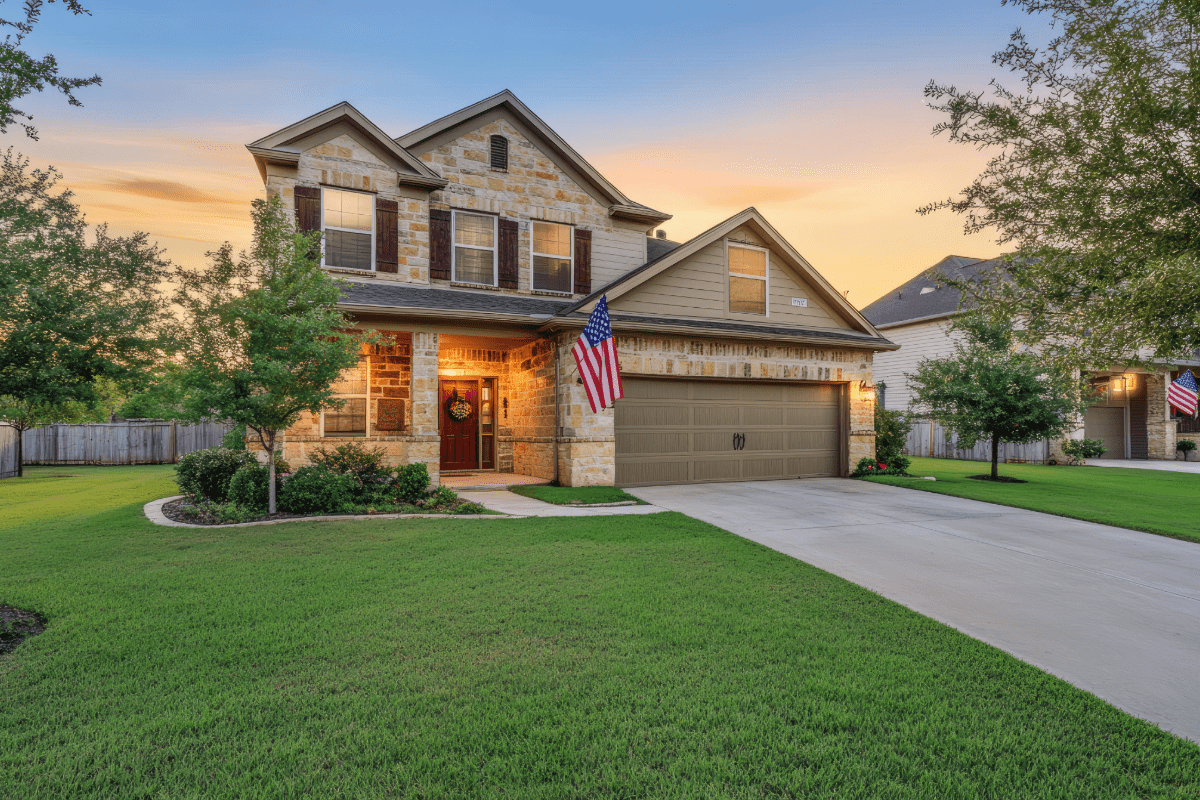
{"x": 308, "y": 208}
{"x": 509, "y": 257}
{"x": 387, "y": 246}
{"x": 439, "y": 244}
{"x": 583, "y": 261}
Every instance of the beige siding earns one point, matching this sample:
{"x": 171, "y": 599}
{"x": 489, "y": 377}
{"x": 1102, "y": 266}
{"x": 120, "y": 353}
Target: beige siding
{"x": 698, "y": 287}
{"x": 617, "y": 250}
{"x": 931, "y": 339}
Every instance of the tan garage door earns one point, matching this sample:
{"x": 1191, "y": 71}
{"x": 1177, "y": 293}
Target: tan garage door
{"x": 692, "y": 431}
{"x": 1107, "y": 424}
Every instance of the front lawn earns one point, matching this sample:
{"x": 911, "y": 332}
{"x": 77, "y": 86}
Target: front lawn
{"x": 648, "y": 656}
{"x": 563, "y": 495}
{"x": 1141, "y": 499}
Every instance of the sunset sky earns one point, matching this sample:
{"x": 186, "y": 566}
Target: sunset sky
{"x": 813, "y": 112}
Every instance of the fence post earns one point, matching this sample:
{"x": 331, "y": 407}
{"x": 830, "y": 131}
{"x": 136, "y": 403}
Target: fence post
{"x": 173, "y": 457}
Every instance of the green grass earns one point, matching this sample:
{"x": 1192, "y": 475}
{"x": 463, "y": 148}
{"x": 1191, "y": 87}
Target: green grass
{"x": 651, "y": 656}
{"x": 1153, "y": 501}
{"x": 561, "y": 495}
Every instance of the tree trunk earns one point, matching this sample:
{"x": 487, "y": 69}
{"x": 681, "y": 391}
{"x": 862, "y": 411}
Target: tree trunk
{"x": 271, "y": 475}
{"x": 20, "y": 452}
{"x": 995, "y": 456}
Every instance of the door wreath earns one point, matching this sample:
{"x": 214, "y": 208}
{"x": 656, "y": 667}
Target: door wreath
{"x": 457, "y": 408}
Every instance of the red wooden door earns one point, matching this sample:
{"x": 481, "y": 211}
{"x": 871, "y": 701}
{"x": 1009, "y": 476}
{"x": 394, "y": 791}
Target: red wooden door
{"x": 460, "y": 438}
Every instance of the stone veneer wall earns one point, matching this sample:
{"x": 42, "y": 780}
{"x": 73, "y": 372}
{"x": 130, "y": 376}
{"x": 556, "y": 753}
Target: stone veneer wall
{"x": 587, "y": 444}
{"x": 1160, "y": 428}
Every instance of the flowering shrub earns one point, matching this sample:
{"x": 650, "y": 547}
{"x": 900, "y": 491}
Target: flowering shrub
{"x": 869, "y": 466}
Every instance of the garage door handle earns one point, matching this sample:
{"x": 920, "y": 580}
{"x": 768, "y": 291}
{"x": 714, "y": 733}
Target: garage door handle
{"x": 739, "y": 441}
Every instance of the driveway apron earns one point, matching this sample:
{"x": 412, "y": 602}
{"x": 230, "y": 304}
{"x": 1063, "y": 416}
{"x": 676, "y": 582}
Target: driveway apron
{"x": 1114, "y": 612}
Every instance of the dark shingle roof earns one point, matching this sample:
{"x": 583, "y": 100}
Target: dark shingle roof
{"x": 737, "y": 327}
{"x": 657, "y": 248}
{"x": 401, "y": 296}
{"x": 907, "y": 301}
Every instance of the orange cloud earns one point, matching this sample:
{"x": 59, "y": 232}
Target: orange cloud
{"x": 162, "y": 190}
{"x": 743, "y": 196}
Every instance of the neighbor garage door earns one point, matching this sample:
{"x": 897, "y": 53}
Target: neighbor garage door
{"x": 1107, "y": 425}
{"x": 692, "y": 431}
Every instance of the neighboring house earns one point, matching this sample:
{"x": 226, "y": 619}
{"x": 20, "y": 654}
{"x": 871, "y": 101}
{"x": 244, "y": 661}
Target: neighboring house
{"x": 479, "y": 244}
{"x": 1133, "y": 418}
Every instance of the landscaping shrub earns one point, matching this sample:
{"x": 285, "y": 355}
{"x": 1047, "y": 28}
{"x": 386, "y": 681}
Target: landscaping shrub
{"x": 1076, "y": 450}
{"x": 207, "y": 512}
{"x": 249, "y": 486}
{"x": 205, "y": 474}
{"x": 872, "y": 466}
{"x": 318, "y": 490}
{"x": 412, "y": 482}
{"x": 351, "y": 459}
{"x": 1186, "y": 446}
{"x": 441, "y": 496}
{"x": 891, "y": 433}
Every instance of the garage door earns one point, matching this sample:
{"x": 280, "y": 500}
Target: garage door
{"x": 1108, "y": 425}
{"x": 692, "y": 431}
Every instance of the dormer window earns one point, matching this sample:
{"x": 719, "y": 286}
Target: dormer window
{"x": 499, "y": 153}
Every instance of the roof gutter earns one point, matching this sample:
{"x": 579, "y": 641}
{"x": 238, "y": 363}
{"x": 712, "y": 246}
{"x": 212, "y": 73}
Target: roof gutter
{"x": 915, "y": 320}
{"x": 559, "y": 323}
{"x": 458, "y": 315}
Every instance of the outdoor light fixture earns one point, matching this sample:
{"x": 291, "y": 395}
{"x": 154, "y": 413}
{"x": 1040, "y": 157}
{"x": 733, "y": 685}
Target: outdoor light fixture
{"x": 867, "y": 388}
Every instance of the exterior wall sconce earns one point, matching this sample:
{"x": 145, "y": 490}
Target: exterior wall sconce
{"x": 867, "y": 388}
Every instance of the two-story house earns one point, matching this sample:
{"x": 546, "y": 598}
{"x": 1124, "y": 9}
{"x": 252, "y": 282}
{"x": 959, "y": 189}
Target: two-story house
{"x": 478, "y": 245}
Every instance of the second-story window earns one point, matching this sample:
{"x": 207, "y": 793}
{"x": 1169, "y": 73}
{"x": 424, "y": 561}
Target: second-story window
{"x": 551, "y": 257}
{"x": 349, "y": 222}
{"x": 474, "y": 248}
{"x": 747, "y": 280}
{"x": 499, "y": 152}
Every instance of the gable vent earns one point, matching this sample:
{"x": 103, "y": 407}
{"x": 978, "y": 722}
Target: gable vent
{"x": 499, "y": 152}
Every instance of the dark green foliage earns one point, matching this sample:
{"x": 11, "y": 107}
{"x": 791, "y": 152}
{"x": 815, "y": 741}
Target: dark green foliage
{"x": 205, "y": 474}
{"x": 412, "y": 482}
{"x": 1076, "y": 450}
{"x": 891, "y": 433}
{"x": 317, "y": 490}
{"x": 1095, "y": 178}
{"x": 1186, "y": 445}
{"x": 874, "y": 466}
{"x": 206, "y": 512}
{"x": 250, "y": 486}
{"x": 235, "y": 439}
{"x": 351, "y": 459}
{"x": 992, "y": 390}
{"x": 441, "y": 496}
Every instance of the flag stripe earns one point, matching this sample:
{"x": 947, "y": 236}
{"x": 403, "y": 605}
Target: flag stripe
{"x": 596, "y": 358}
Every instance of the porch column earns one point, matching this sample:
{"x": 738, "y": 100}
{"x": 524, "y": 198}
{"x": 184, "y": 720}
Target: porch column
{"x": 1160, "y": 430}
{"x": 586, "y": 441}
{"x": 426, "y": 441}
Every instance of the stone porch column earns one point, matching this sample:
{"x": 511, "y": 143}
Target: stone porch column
{"x": 427, "y": 442}
{"x": 1160, "y": 430}
{"x": 586, "y": 440}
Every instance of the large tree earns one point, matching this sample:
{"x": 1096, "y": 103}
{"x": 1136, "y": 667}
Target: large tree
{"x": 1095, "y": 182}
{"x": 993, "y": 390}
{"x": 74, "y": 308}
{"x": 21, "y": 73}
{"x": 263, "y": 339}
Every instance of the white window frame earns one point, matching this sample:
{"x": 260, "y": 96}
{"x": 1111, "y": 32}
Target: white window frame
{"x": 365, "y": 396}
{"x": 766, "y": 279}
{"x": 454, "y": 245}
{"x": 533, "y": 252}
{"x": 374, "y": 210}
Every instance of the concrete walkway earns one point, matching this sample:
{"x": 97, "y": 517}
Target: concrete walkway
{"x": 1114, "y": 612}
{"x": 1166, "y": 466}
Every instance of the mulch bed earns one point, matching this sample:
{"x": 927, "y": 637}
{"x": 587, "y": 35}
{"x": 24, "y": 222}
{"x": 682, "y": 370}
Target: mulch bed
{"x": 173, "y": 511}
{"x": 16, "y": 626}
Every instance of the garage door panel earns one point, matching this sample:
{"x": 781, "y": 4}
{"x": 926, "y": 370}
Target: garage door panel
{"x": 683, "y": 431}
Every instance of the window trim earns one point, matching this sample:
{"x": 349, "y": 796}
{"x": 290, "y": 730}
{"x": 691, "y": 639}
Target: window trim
{"x": 374, "y": 211}
{"x": 507, "y": 151}
{"x": 533, "y": 253}
{"x": 495, "y": 248}
{"x": 365, "y": 397}
{"x": 765, "y": 278}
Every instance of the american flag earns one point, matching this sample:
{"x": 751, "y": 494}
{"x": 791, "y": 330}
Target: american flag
{"x": 596, "y": 355}
{"x": 1182, "y": 393}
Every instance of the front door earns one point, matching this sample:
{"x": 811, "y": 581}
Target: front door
{"x": 460, "y": 434}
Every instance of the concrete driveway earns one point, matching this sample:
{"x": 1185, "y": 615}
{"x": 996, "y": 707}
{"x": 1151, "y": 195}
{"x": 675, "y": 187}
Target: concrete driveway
{"x": 1112, "y": 611}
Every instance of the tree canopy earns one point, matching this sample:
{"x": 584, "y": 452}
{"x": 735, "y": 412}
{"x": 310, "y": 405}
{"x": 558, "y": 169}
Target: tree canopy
{"x": 264, "y": 340}
{"x": 1095, "y": 185}
{"x": 73, "y": 309}
{"x": 21, "y": 73}
{"x": 991, "y": 389}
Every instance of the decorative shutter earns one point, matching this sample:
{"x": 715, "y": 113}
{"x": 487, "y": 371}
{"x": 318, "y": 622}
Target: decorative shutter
{"x": 583, "y": 261}
{"x": 439, "y": 244}
{"x": 508, "y": 254}
{"x": 308, "y": 208}
{"x": 387, "y": 245}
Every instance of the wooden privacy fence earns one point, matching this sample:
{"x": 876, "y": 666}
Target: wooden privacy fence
{"x": 8, "y": 452}
{"x": 119, "y": 442}
{"x": 928, "y": 438}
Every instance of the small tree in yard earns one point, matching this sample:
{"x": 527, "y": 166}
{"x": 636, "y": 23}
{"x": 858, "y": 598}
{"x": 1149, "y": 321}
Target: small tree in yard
{"x": 23, "y": 414}
{"x": 264, "y": 341}
{"x": 989, "y": 391}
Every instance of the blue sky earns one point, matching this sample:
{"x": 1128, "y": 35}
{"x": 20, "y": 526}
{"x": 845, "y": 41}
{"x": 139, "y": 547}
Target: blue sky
{"x": 812, "y": 112}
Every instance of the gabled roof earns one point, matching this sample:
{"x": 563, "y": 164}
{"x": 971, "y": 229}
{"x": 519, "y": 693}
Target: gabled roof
{"x": 620, "y": 205}
{"x": 759, "y": 224}
{"x": 926, "y": 296}
{"x": 285, "y": 145}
